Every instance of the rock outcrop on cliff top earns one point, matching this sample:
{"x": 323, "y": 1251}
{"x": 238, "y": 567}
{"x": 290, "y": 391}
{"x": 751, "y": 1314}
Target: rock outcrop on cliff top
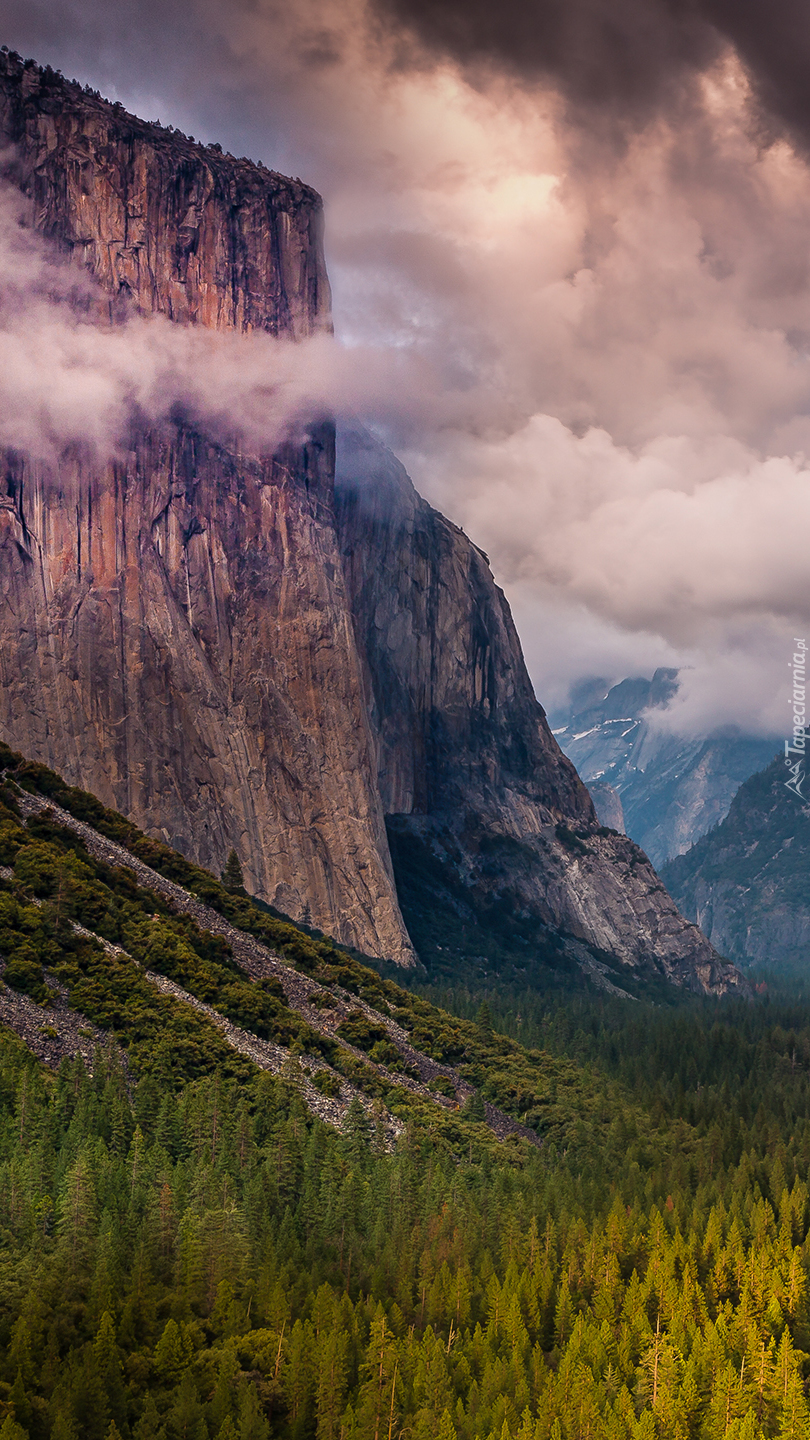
{"x": 189, "y": 631}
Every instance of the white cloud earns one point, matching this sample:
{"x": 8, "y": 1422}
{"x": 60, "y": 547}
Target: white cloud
{"x": 594, "y": 357}
{"x": 69, "y": 375}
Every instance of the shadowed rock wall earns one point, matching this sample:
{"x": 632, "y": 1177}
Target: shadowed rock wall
{"x": 466, "y": 760}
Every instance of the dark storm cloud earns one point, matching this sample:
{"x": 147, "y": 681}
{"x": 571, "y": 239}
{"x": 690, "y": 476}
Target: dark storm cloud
{"x": 625, "y": 54}
{"x": 629, "y": 57}
{"x": 772, "y": 38}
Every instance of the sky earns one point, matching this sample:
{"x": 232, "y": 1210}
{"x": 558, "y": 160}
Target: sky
{"x": 569, "y": 246}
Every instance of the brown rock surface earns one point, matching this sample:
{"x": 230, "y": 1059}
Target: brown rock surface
{"x": 181, "y": 634}
{"x": 175, "y": 635}
{"x": 175, "y": 227}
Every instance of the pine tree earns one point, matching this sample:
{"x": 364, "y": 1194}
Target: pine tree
{"x": 170, "y": 1357}
{"x": 332, "y": 1368}
{"x": 10, "y": 1430}
{"x": 483, "y": 1018}
{"x": 378, "y": 1399}
{"x": 474, "y": 1106}
{"x": 563, "y": 1314}
{"x": 108, "y": 1368}
{"x": 148, "y": 1426}
{"x": 20, "y": 1402}
{"x": 232, "y": 877}
{"x": 252, "y": 1422}
{"x": 431, "y": 1386}
{"x": 186, "y": 1417}
{"x": 298, "y": 1374}
{"x": 221, "y": 1404}
{"x": 78, "y": 1210}
{"x": 63, "y": 1428}
{"x": 89, "y": 1399}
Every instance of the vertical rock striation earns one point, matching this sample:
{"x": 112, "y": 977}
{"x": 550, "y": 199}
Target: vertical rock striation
{"x": 174, "y": 227}
{"x": 201, "y": 638}
{"x": 175, "y": 635}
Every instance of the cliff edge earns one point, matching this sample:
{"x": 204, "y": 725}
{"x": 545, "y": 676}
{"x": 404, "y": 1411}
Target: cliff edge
{"x": 175, "y": 635}
{"x": 215, "y": 643}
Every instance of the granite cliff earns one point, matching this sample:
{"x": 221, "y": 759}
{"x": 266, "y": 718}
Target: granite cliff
{"x": 217, "y": 644}
{"x": 469, "y": 772}
{"x": 144, "y": 598}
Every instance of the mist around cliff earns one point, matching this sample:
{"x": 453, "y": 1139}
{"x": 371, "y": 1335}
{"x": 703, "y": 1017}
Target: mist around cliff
{"x": 70, "y": 373}
{"x": 568, "y": 246}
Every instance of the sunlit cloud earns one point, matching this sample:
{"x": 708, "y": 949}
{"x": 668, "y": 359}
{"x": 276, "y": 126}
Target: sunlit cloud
{"x": 583, "y": 320}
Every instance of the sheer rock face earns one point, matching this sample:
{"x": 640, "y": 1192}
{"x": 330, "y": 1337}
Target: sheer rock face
{"x": 465, "y": 756}
{"x": 175, "y": 635}
{"x": 183, "y": 632}
{"x": 450, "y": 699}
{"x": 169, "y": 225}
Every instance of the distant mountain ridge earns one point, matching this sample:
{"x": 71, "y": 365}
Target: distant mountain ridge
{"x": 747, "y": 883}
{"x": 671, "y": 789}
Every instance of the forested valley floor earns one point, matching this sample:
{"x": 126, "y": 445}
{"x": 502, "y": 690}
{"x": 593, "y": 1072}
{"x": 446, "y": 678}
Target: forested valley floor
{"x": 187, "y": 1251}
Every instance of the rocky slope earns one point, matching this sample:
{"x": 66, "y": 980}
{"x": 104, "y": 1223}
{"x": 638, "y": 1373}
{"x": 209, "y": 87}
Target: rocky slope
{"x": 664, "y": 790}
{"x": 747, "y": 883}
{"x": 334, "y": 1028}
{"x": 189, "y": 630}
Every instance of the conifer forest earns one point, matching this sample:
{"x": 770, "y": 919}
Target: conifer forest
{"x": 189, "y": 1251}
{"x": 404, "y": 956}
